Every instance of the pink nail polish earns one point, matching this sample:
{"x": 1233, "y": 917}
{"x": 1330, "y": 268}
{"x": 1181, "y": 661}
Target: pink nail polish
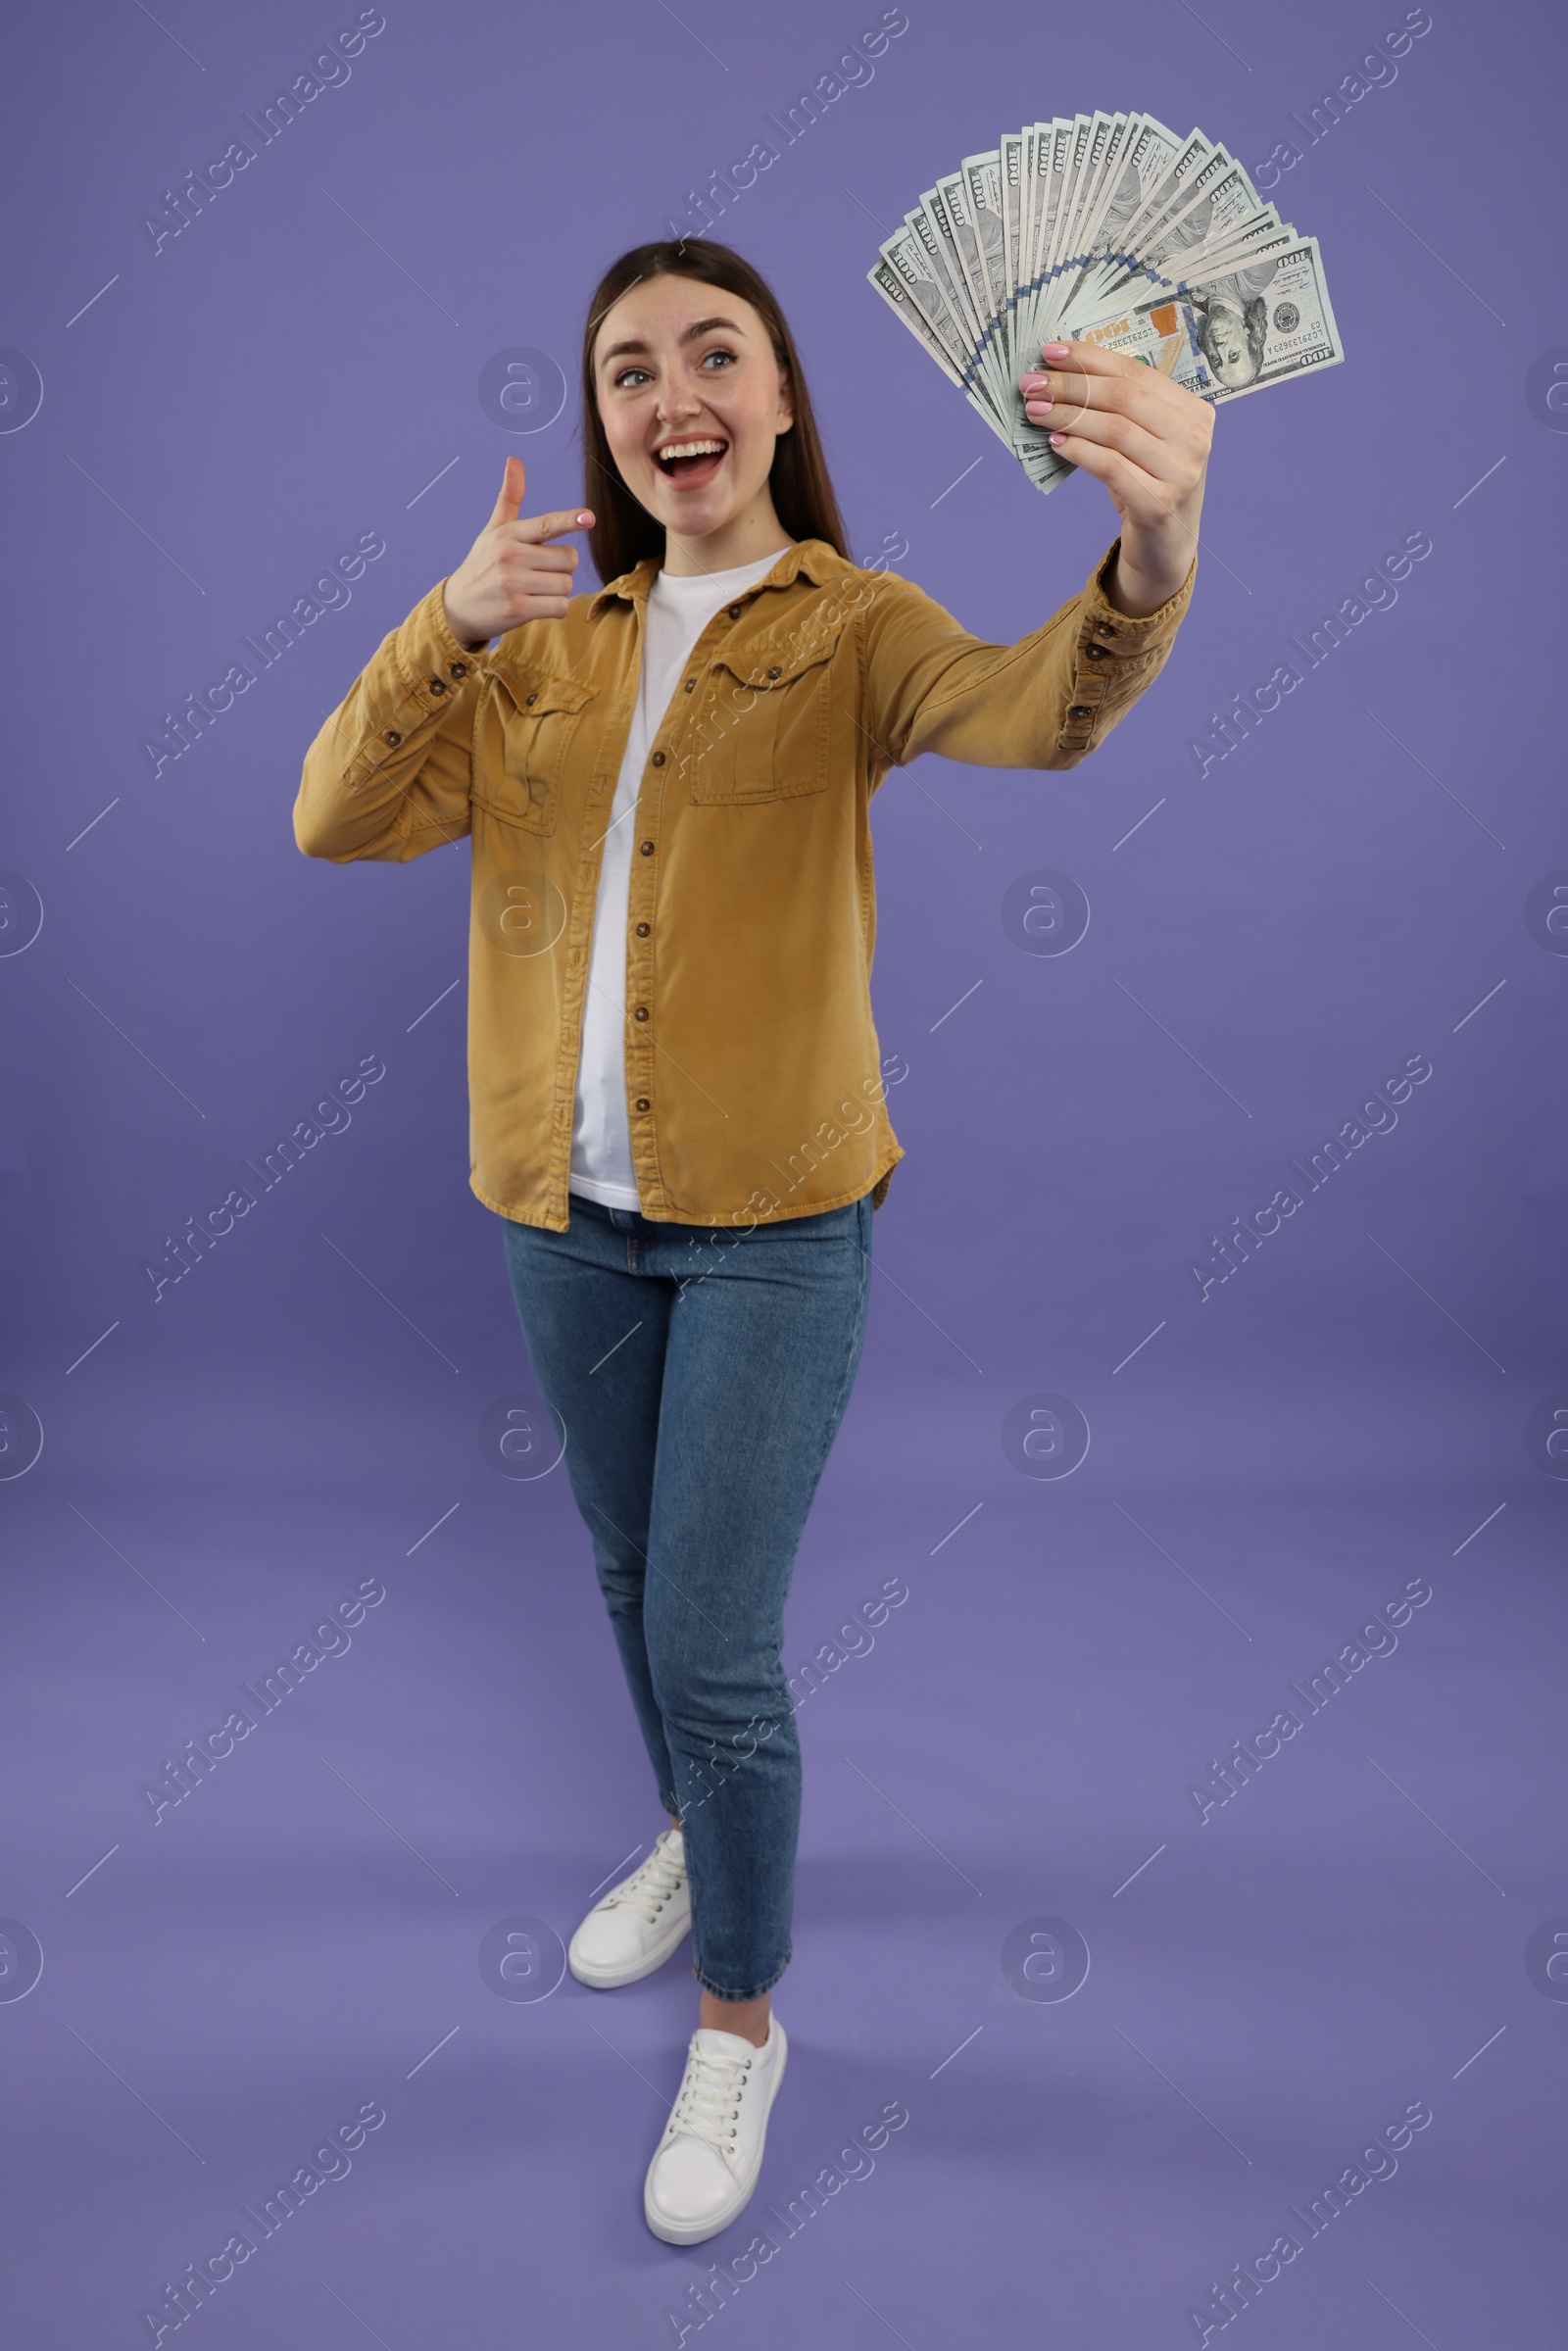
{"x": 1053, "y": 351}
{"x": 1056, "y": 439}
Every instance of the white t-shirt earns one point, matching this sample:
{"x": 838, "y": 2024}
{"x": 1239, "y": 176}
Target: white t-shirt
{"x": 677, "y": 612}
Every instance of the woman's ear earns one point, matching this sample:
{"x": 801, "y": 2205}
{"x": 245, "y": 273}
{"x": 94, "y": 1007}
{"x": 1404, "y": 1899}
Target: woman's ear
{"x": 786, "y": 403}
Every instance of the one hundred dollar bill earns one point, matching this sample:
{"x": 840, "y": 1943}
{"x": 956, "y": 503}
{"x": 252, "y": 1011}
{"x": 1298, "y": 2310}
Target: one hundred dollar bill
{"x": 1234, "y": 332}
{"x": 1114, "y": 230}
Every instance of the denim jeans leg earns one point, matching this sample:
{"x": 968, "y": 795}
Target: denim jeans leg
{"x": 577, "y": 1301}
{"x": 701, "y": 1378}
{"x": 763, "y": 1349}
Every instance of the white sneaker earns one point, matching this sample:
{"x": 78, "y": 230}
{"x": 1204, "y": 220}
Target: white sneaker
{"x": 639, "y": 1922}
{"x": 707, "y": 2164}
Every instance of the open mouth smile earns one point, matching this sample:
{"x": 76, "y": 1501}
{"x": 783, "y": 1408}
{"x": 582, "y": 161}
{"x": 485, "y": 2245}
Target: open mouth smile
{"x": 693, "y": 459}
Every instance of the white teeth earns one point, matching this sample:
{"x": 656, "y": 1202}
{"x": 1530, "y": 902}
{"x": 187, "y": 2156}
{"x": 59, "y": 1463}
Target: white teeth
{"x": 692, "y": 449}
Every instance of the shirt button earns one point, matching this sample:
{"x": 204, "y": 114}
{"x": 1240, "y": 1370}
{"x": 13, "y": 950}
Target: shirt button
{"x": 642, "y": 1101}
{"x": 690, "y": 682}
{"x": 776, "y": 673}
{"x": 659, "y": 758}
{"x": 641, "y": 1013}
{"x": 647, "y": 848}
{"x": 530, "y": 698}
{"x": 734, "y": 612}
{"x": 460, "y": 669}
{"x": 642, "y": 930}
{"x": 438, "y": 685}
{"x": 393, "y": 739}
{"x": 1103, "y": 628}
{"x": 1080, "y": 710}
{"x": 1096, "y": 653}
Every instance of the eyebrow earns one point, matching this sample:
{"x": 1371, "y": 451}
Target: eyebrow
{"x": 635, "y": 344}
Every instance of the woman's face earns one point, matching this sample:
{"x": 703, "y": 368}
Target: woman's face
{"x": 682, "y": 365}
{"x": 1225, "y": 343}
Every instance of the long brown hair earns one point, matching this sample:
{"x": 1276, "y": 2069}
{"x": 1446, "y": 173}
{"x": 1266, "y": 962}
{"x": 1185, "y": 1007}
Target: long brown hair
{"x": 624, "y": 531}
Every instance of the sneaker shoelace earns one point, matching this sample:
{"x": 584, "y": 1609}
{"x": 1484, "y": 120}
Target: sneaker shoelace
{"x": 708, "y": 2106}
{"x": 649, "y": 1888}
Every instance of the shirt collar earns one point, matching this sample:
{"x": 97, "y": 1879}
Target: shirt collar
{"x": 814, "y": 557}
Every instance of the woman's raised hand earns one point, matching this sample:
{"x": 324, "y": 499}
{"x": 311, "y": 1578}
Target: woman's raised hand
{"x": 511, "y": 573}
{"x": 1146, "y": 439}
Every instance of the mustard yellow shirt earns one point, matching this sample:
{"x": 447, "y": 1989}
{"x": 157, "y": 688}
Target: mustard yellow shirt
{"x": 754, "y": 1079}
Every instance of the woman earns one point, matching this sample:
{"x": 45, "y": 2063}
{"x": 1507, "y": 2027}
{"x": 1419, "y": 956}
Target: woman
{"x": 677, "y": 1102}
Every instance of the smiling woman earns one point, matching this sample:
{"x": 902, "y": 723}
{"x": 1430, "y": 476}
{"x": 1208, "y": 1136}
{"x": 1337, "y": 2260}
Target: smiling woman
{"x": 727, "y": 412}
{"x": 668, "y": 784}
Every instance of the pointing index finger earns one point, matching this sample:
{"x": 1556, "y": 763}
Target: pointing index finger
{"x": 538, "y": 527}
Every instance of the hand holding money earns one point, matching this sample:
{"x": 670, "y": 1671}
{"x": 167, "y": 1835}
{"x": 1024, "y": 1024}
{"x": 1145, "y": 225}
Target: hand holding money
{"x": 1146, "y": 439}
{"x": 1109, "y": 234}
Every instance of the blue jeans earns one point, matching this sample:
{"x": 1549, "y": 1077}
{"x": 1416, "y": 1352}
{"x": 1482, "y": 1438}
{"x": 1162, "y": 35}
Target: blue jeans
{"x": 701, "y": 1375}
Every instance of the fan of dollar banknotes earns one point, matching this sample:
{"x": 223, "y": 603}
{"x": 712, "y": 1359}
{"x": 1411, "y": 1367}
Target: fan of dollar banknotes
{"x": 1108, "y": 229}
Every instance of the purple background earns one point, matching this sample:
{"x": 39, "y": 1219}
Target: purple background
{"x": 296, "y": 368}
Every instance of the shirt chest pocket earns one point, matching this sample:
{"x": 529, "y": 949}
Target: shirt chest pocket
{"x": 541, "y": 720}
{"x": 764, "y": 729}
